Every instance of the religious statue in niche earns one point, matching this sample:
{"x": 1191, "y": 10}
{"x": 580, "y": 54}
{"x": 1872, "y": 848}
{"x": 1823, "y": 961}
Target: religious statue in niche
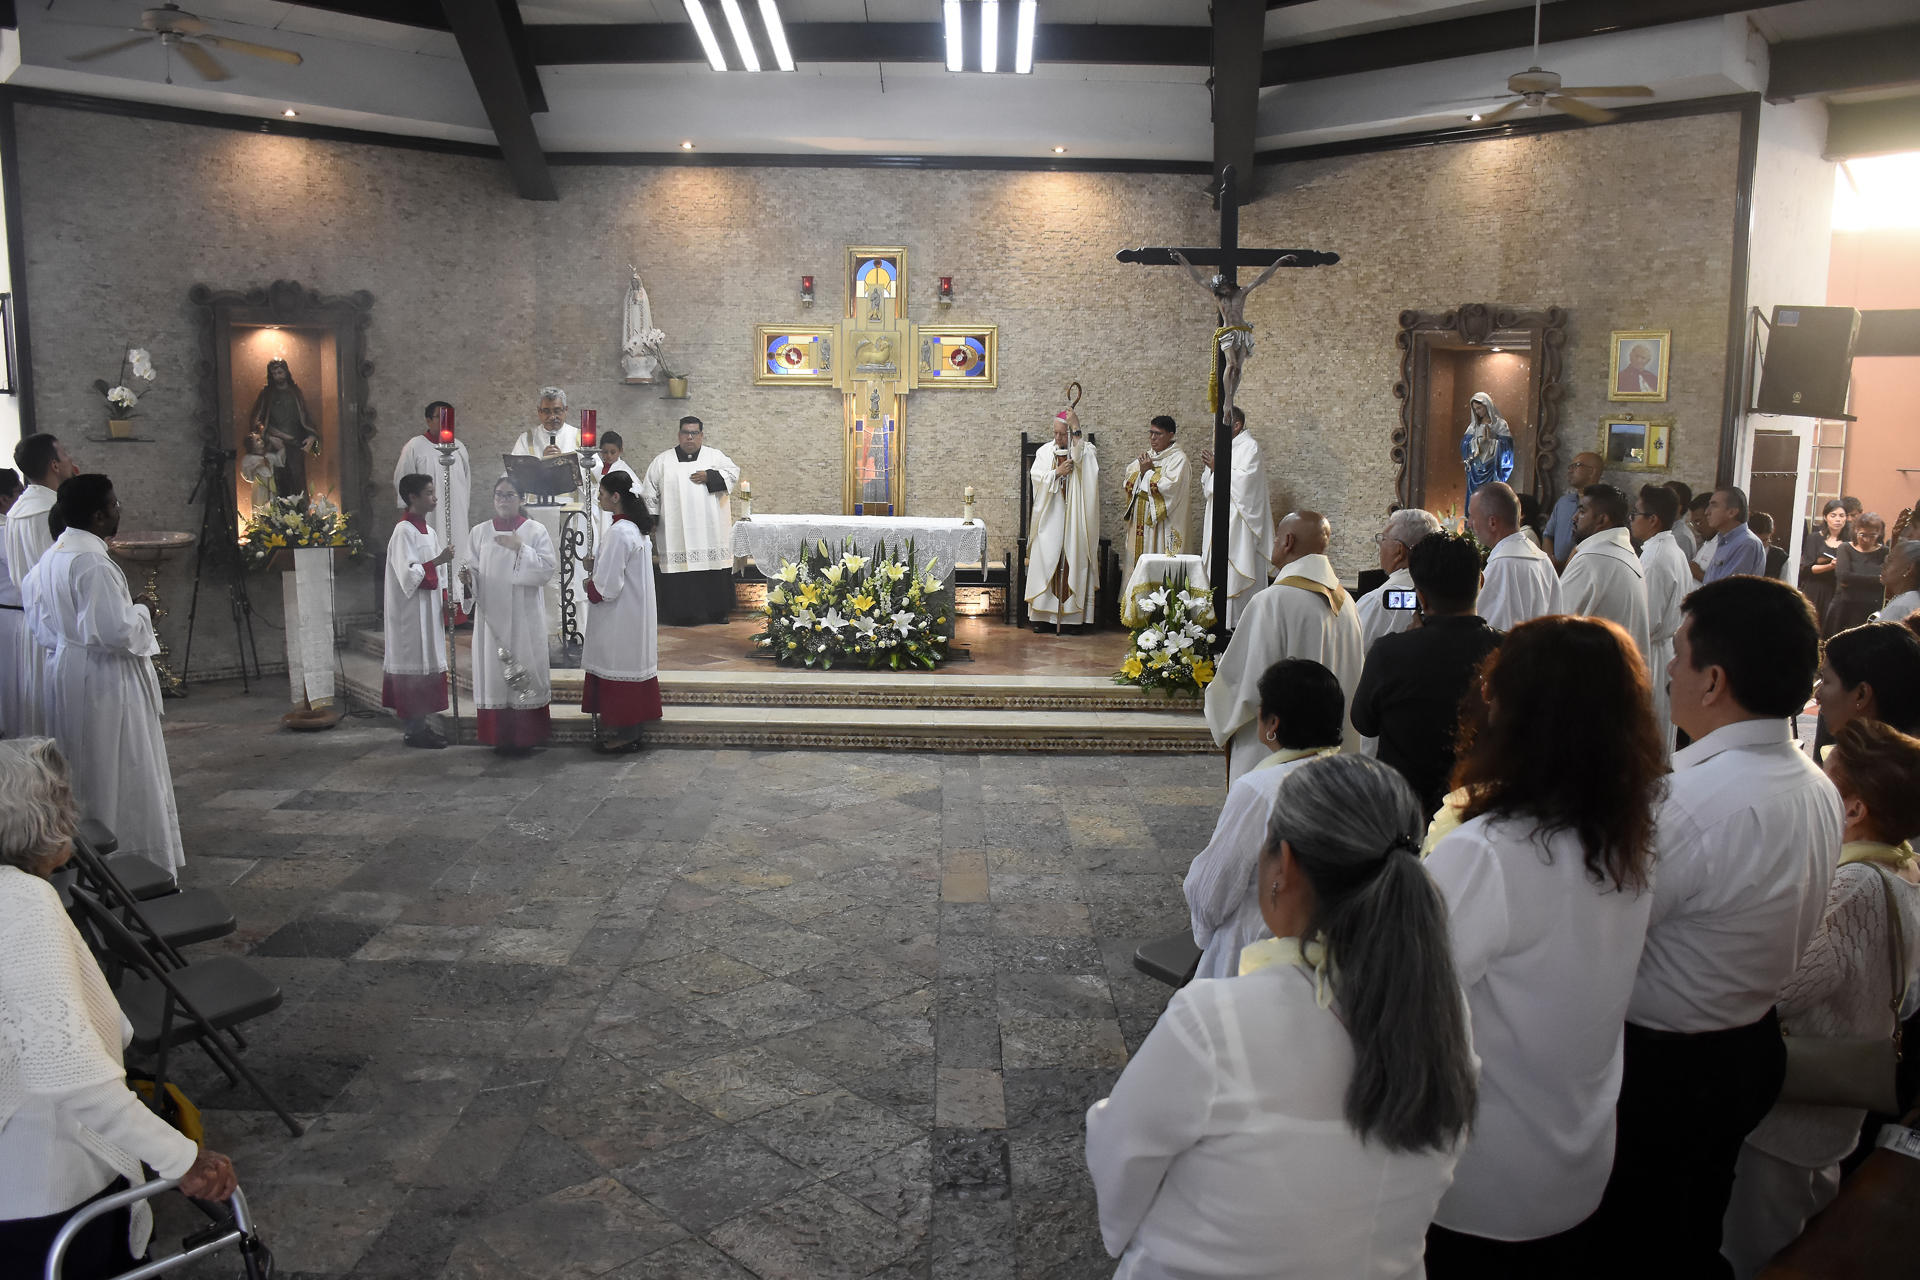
{"x": 287, "y": 428}
{"x": 1235, "y": 335}
{"x": 638, "y": 364}
{"x": 1486, "y": 447}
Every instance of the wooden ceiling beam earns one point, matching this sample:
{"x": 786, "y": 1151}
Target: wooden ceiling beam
{"x": 1878, "y": 59}
{"x": 484, "y": 32}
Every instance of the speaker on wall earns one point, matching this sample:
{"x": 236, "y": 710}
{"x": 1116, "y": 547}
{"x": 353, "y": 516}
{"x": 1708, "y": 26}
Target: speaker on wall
{"x": 1809, "y": 363}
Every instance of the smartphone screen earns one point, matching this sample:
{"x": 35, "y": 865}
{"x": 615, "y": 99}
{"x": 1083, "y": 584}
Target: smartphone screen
{"x": 1398, "y": 598}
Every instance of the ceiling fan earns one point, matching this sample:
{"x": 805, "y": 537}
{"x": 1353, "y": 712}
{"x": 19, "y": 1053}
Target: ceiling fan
{"x": 1536, "y": 88}
{"x": 182, "y": 32}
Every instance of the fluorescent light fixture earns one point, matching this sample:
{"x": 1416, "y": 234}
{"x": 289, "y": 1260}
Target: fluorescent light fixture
{"x": 776, "y": 34}
{"x": 989, "y": 35}
{"x": 697, "y": 15}
{"x": 956, "y": 43}
{"x": 1023, "y": 48}
{"x": 742, "y": 38}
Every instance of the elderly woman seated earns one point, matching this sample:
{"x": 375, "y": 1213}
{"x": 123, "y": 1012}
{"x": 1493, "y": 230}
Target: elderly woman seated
{"x": 70, "y": 1130}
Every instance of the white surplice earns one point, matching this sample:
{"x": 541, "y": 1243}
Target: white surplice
{"x": 14, "y": 651}
{"x": 104, "y": 698}
{"x": 28, "y": 538}
{"x": 1160, "y": 498}
{"x": 602, "y": 518}
{"x": 1668, "y": 582}
{"x": 1306, "y": 614}
{"x": 535, "y": 441}
{"x": 416, "y": 638}
{"x": 1605, "y": 579}
{"x": 453, "y": 487}
{"x": 1249, "y": 526}
{"x": 696, "y": 524}
{"x": 1064, "y": 533}
{"x": 1521, "y": 583}
{"x": 622, "y": 625}
{"x": 511, "y": 613}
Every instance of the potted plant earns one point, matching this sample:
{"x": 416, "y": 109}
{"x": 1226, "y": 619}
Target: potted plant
{"x": 135, "y": 365}
{"x": 652, "y": 342}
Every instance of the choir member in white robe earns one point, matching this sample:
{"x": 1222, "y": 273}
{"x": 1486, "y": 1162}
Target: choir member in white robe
{"x": 1249, "y": 520}
{"x": 13, "y": 622}
{"x": 44, "y": 464}
{"x": 611, "y": 459}
{"x": 1063, "y": 548}
{"x": 1520, "y": 580}
{"x": 414, "y": 669}
{"x": 103, "y": 700}
{"x": 1604, "y": 578}
{"x": 1302, "y": 717}
{"x": 686, "y": 488}
{"x": 1305, "y": 614}
{"x": 1158, "y": 497}
{"x": 1404, "y": 529}
{"x": 1669, "y": 580}
{"x": 420, "y": 456}
{"x": 513, "y": 561}
{"x": 621, "y": 660}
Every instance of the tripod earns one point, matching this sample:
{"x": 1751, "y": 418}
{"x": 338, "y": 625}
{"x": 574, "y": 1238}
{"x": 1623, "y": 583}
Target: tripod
{"x": 220, "y": 529}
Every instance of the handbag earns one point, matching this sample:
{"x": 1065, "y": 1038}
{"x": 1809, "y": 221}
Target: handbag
{"x": 1851, "y": 1071}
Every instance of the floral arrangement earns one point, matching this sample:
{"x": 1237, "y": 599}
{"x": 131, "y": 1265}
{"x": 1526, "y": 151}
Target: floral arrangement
{"x": 301, "y": 520}
{"x": 883, "y": 610}
{"x": 135, "y": 365}
{"x": 1172, "y": 646}
{"x": 652, "y": 342}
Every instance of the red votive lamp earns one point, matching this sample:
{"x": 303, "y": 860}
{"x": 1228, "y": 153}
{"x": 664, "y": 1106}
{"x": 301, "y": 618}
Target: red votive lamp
{"x": 589, "y": 427}
{"x": 446, "y": 425}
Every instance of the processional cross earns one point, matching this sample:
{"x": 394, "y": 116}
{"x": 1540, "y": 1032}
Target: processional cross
{"x": 1233, "y": 341}
{"x": 874, "y": 356}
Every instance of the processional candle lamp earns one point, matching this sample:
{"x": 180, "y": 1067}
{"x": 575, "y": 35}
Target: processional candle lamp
{"x": 444, "y": 442}
{"x": 446, "y": 426}
{"x": 589, "y": 428}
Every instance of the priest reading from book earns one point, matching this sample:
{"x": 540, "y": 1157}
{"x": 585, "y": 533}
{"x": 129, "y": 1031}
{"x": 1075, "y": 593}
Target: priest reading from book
{"x": 554, "y": 436}
{"x": 420, "y": 455}
{"x": 1249, "y": 520}
{"x": 414, "y": 668}
{"x": 686, "y": 488}
{"x": 1157, "y": 496}
{"x": 512, "y": 561}
{"x": 1063, "y": 557}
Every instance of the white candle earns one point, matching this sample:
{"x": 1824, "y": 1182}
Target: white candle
{"x": 969, "y": 493}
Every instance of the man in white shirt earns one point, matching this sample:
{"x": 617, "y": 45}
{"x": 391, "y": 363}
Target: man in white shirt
{"x": 1603, "y": 578}
{"x": 1900, "y": 575}
{"x": 420, "y": 455}
{"x": 1521, "y": 582}
{"x": 687, "y": 489}
{"x": 1249, "y": 520}
{"x": 1403, "y": 532}
{"x": 1157, "y": 492}
{"x": 1748, "y": 839}
{"x": 1668, "y": 582}
{"x": 1306, "y": 613}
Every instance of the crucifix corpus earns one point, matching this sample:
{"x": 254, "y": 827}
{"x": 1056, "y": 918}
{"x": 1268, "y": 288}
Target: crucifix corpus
{"x": 1232, "y": 342}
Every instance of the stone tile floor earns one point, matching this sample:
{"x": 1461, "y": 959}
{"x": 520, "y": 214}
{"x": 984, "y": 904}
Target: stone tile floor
{"x": 688, "y": 1014}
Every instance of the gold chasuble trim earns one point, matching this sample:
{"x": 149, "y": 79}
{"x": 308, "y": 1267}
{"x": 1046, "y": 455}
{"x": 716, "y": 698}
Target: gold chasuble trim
{"x": 1336, "y": 597}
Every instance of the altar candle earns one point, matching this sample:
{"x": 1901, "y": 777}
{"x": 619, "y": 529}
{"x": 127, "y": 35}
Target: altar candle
{"x": 746, "y": 488}
{"x": 446, "y": 425}
{"x": 969, "y": 493}
{"x": 589, "y": 427}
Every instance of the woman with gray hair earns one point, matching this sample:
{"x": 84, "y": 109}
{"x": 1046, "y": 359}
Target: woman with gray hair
{"x": 1336, "y": 1065}
{"x": 70, "y": 1130}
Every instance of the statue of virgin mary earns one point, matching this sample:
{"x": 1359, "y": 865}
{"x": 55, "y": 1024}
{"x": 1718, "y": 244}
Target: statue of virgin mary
{"x": 1486, "y": 448}
{"x": 636, "y": 322}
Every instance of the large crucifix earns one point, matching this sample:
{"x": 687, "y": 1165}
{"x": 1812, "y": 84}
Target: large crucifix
{"x": 1233, "y": 340}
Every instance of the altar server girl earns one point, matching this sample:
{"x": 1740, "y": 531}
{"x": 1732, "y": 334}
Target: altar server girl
{"x": 512, "y": 561}
{"x": 414, "y": 668}
{"x": 621, "y": 660}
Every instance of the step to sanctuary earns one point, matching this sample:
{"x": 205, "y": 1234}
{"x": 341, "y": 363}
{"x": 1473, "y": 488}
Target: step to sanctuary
{"x": 858, "y": 709}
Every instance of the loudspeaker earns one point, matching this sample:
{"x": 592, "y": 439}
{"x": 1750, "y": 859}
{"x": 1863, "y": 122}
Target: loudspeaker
{"x": 1809, "y": 362}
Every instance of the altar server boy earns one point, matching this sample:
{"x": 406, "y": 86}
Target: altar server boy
{"x": 415, "y": 665}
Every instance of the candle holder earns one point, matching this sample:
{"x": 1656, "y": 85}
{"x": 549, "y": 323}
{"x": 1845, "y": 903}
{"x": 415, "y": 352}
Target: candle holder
{"x": 945, "y": 294}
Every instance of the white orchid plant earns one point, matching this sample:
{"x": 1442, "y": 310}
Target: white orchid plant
{"x": 882, "y": 610}
{"x": 135, "y": 365}
{"x": 652, "y": 342}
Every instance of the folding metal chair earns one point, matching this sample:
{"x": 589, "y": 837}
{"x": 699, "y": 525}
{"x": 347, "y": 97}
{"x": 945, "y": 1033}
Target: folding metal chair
{"x": 181, "y": 918}
{"x": 142, "y": 878}
{"x": 1171, "y": 960}
{"x": 236, "y": 1229}
{"x": 194, "y": 1002}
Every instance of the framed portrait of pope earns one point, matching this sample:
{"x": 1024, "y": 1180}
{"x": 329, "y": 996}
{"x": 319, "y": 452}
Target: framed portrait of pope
{"x": 1638, "y": 367}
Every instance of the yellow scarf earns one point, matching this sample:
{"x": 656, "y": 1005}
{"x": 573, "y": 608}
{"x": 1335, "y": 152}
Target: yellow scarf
{"x": 1268, "y": 952}
{"x": 1898, "y": 857}
{"x": 1336, "y": 597}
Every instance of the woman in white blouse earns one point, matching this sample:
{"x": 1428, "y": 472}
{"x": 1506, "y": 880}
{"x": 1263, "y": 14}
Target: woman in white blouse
{"x": 1545, "y": 880}
{"x": 70, "y": 1129}
{"x": 1303, "y": 714}
{"x": 1789, "y": 1167}
{"x": 1301, "y": 1119}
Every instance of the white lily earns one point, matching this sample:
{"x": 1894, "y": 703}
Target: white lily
{"x": 803, "y": 615}
{"x": 833, "y": 621}
{"x": 866, "y": 627}
{"x": 902, "y": 621}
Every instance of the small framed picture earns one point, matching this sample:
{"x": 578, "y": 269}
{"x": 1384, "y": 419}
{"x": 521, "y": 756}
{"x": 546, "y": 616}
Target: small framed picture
{"x": 793, "y": 355}
{"x": 1638, "y": 367}
{"x": 1628, "y": 443}
{"x": 958, "y": 356}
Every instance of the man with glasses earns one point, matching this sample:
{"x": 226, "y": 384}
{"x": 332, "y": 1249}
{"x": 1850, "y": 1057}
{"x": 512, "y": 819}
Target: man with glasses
{"x": 1664, "y": 565}
{"x": 1405, "y": 528}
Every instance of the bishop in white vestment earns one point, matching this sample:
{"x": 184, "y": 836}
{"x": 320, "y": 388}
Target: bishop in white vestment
{"x": 414, "y": 669}
{"x": 1158, "y": 497}
{"x": 44, "y": 464}
{"x": 1520, "y": 581}
{"x": 103, "y": 698}
{"x": 513, "y": 561}
{"x": 421, "y": 456}
{"x": 1249, "y": 521}
{"x": 1306, "y": 613}
{"x": 1063, "y": 547}
{"x": 622, "y": 657}
{"x": 686, "y": 488}
{"x": 1604, "y": 578}
{"x": 1664, "y": 563}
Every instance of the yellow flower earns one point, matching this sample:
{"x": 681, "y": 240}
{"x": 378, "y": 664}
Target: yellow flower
{"x": 1131, "y": 668}
{"x": 789, "y": 571}
{"x": 862, "y": 602}
{"x": 776, "y": 596}
{"x": 932, "y": 585}
{"x": 1159, "y": 660}
{"x": 1203, "y": 671}
{"x": 809, "y": 594}
{"x": 833, "y": 574}
{"x": 895, "y": 572}
{"x": 853, "y": 563}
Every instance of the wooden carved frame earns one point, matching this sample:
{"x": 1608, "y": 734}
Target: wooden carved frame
{"x": 287, "y": 302}
{"x": 1544, "y": 334}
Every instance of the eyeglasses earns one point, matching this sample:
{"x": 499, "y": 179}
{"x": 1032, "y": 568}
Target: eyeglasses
{"x": 1643, "y": 515}
{"x": 1382, "y": 539}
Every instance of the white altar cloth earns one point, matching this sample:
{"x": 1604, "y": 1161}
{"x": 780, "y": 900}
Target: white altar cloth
{"x": 771, "y": 539}
{"x": 1149, "y": 571}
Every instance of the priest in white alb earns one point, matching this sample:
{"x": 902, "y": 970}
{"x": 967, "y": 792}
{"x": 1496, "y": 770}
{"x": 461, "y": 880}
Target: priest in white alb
{"x": 686, "y": 488}
{"x": 1664, "y": 561}
{"x": 1063, "y": 547}
{"x": 1158, "y": 497}
{"x": 512, "y": 561}
{"x": 103, "y": 698}
{"x": 44, "y": 464}
{"x": 414, "y": 662}
{"x": 1519, "y": 581}
{"x": 555, "y": 437}
{"x": 420, "y": 455}
{"x": 1603, "y": 577}
{"x": 1306, "y": 613}
{"x": 1249, "y": 520}
{"x": 13, "y": 623}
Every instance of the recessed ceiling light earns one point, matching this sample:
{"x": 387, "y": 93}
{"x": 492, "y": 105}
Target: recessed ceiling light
{"x": 1475, "y": 117}
{"x": 289, "y": 113}
{"x": 686, "y": 146}
{"x": 1059, "y": 151}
